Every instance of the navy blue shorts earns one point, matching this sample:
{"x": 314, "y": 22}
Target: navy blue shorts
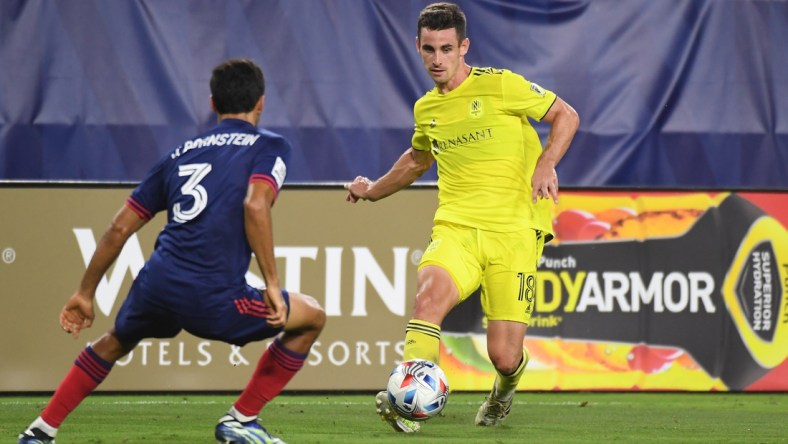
{"x": 236, "y": 316}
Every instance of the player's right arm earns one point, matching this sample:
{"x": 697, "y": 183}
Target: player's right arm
{"x": 409, "y": 167}
{"x": 259, "y": 199}
{"x": 78, "y": 311}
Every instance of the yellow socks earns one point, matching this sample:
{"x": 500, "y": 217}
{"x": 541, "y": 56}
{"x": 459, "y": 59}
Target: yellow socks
{"x": 422, "y": 341}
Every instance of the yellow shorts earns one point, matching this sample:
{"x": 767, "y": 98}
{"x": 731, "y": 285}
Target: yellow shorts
{"x": 504, "y": 264}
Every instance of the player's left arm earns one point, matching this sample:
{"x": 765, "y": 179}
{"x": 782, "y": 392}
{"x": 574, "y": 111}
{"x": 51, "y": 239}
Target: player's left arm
{"x": 260, "y": 198}
{"x": 564, "y": 122}
{"x": 78, "y": 312}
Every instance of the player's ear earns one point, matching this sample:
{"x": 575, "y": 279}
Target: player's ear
{"x": 213, "y": 106}
{"x": 260, "y": 104}
{"x": 418, "y": 44}
{"x": 466, "y": 43}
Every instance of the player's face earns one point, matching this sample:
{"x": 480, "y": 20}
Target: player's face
{"x": 443, "y": 56}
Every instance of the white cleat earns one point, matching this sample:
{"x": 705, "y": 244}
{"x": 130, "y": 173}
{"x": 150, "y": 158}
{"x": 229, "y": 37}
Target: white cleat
{"x": 387, "y": 414}
{"x": 493, "y": 411}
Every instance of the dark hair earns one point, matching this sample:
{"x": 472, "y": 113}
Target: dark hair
{"x": 236, "y": 86}
{"x": 440, "y": 16}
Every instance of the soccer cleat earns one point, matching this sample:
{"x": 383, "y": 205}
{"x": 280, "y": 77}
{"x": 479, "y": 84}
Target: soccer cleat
{"x": 493, "y": 411}
{"x": 231, "y": 431}
{"x": 388, "y": 414}
{"x": 35, "y": 436}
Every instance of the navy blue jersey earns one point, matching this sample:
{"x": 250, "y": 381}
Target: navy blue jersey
{"x": 202, "y": 185}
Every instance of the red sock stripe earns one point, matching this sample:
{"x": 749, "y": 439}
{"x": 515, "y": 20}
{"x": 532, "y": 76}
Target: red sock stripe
{"x": 286, "y": 358}
{"x": 275, "y": 369}
{"x": 93, "y": 365}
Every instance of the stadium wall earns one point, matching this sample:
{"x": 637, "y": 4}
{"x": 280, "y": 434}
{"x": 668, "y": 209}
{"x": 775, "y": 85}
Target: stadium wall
{"x": 671, "y": 93}
{"x": 641, "y": 290}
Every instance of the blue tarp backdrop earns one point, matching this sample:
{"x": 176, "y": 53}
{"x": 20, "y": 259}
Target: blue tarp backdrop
{"x": 671, "y": 93}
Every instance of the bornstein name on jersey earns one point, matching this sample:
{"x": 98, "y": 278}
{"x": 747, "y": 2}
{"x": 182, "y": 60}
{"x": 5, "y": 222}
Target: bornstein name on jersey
{"x": 221, "y": 139}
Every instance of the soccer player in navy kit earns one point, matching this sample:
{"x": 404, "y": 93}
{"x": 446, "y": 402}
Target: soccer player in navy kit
{"x": 218, "y": 189}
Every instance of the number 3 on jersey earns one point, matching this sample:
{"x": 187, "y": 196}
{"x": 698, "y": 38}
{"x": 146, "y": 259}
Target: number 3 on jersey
{"x": 192, "y": 187}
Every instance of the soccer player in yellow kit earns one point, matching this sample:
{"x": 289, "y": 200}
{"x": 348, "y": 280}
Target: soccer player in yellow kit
{"x": 495, "y": 183}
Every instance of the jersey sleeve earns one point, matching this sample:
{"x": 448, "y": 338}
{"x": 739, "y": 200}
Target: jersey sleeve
{"x": 419, "y": 141}
{"x": 522, "y": 97}
{"x": 150, "y": 196}
{"x": 271, "y": 165}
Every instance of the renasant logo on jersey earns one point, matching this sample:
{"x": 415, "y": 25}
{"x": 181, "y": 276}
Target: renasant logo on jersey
{"x": 440, "y": 146}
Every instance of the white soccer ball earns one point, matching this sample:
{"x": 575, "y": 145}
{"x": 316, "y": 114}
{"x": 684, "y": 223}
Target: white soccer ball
{"x": 418, "y": 389}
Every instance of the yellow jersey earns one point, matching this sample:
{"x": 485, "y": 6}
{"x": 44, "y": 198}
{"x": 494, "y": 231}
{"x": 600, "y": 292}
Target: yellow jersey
{"x": 486, "y": 150}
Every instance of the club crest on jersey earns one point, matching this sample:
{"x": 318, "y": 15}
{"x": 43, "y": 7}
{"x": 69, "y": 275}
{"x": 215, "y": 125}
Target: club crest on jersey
{"x": 476, "y": 108}
{"x": 537, "y": 89}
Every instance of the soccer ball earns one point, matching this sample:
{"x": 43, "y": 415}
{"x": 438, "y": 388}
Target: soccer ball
{"x": 417, "y": 389}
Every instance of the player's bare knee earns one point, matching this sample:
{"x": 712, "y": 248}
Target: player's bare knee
{"x": 318, "y": 318}
{"x": 431, "y": 306}
{"x": 313, "y": 312}
{"x": 110, "y": 348}
{"x": 505, "y": 363}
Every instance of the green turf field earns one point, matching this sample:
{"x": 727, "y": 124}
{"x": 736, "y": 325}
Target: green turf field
{"x": 338, "y": 418}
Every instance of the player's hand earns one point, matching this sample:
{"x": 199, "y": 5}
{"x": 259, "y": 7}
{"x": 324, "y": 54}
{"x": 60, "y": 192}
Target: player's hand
{"x": 358, "y": 189}
{"x": 77, "y": 314}
{"x": 277, "y": 309}
{"x": 544, "y": 183}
